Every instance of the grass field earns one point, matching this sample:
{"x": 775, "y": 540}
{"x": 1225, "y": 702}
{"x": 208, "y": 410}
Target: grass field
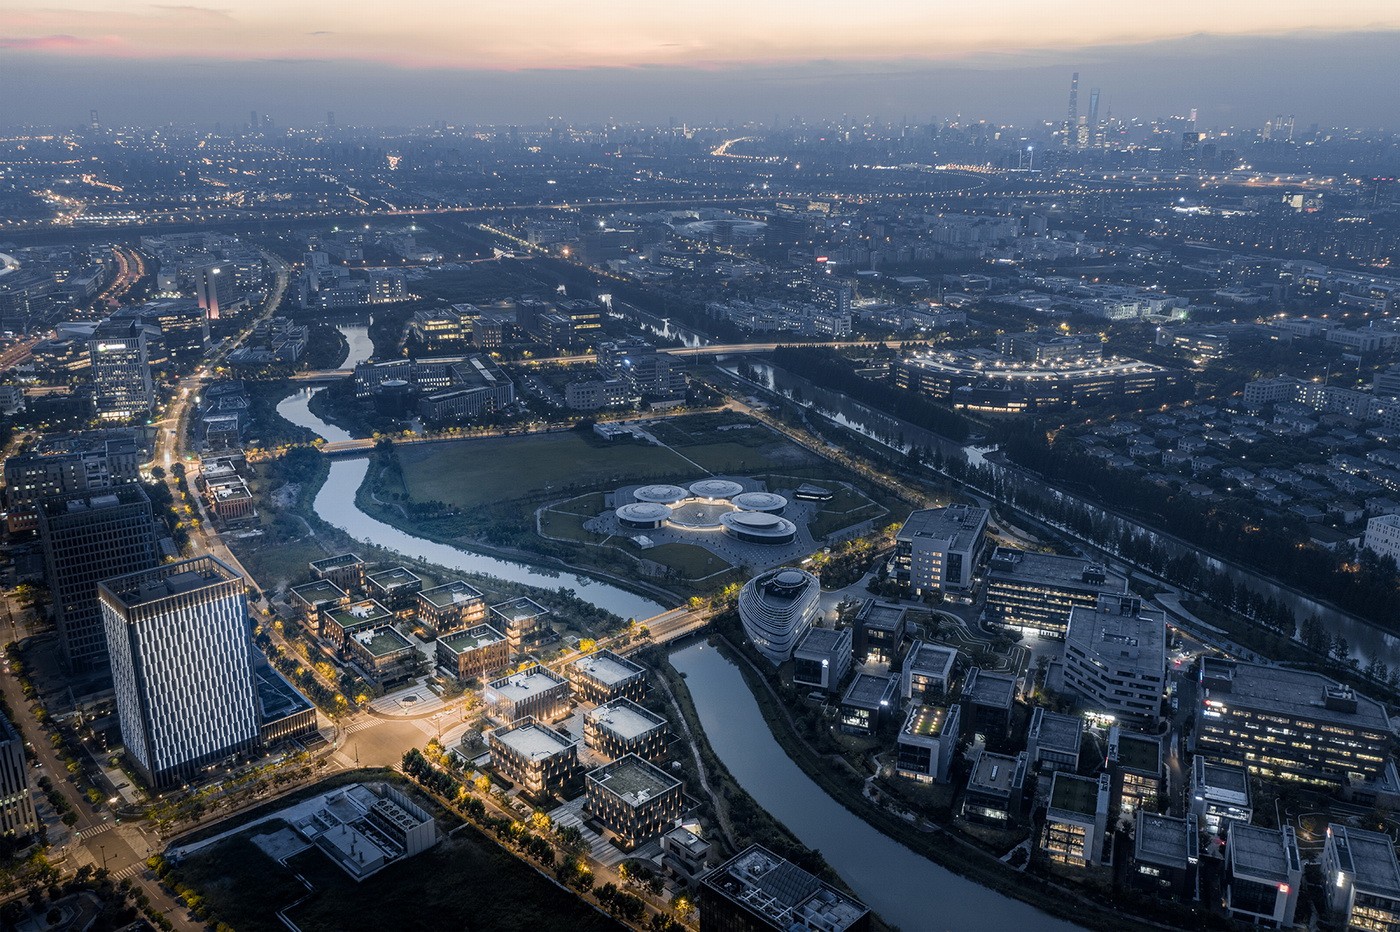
{"x": 456, "y": 885}
{"x": 691, "y": 561}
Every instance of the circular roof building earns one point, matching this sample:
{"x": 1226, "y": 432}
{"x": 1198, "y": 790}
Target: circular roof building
{"x": 665, "y": 494}
{"x": 755, "y": 527}
{"x": 777, "y": 608}
{"x": 767, "y": 502}
{"x": 643, "y": 516}
{"x": 715, "y": 488}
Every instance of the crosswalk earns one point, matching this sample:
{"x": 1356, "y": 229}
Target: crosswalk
{"x": 129, "y": 871}
{"x": 94, "y": 831}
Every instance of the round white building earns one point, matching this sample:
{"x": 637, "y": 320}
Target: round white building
{"x": 714, "y": 489}
{"x": 643, "y": 516}
{"x": 664, "y": 494}
{"x": 756, "y": 527}
{"x": 777, "y": 608}
{"x": 767, "y": 502}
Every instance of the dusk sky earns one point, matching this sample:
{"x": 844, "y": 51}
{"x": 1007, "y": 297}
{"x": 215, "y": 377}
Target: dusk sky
{"x": 1237, "y": 61}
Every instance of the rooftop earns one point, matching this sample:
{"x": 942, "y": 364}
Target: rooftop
{"x": 926, "y": 721}
{"x": 462, "y": 641}
{"x": 823, "y": 641}
{"x": 1140, "y": 753}
{"x": 1056, "y": 731}
{"x": 453, "y": 593}
{"x": 529, "y": 738}
{"x": 529, "y": 682}
{"x": 1227, "y": 778}
{"x": 932, "y": 659}
{"x": 394, "y": 577}
{"x": 381, "y": 642}
{"x": 318, "y": 591}
{"x": 1163, "y": 839}
{"x": 140, "y": 588}
{"x": 521, "y": 609}
{"x": 607, "y": 667}
{"x": 960, "y": 524}
{"x": 1054, "y": 570}
{"x": 1074, "y": 794}
{"x": 1261, "y": 852}
{"x": 1370, "y": 856}
{"x": 786, "y": 894}
{"x": 869, "y": 691}
{"x": 277, "y": 696}
{"x": 880, "y": 616}
{"x": 626, "y": 719}
{"x": 983, "y": 687}
{"x": 360, "y": 614}
{"x": 336, "y": 562}
{"x": 633, "y": 779}
{"x": 1130, "y": 637}
{"x": 1291, "y": 692}
{"x": 997, "y": 772}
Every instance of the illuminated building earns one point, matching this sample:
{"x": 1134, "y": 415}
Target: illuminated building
{"x": 536, "y": 692}
{"x": 450, "y": 607}
{"x": 634, "y": 800}
{"x": 472, "y": 653}
{"x": 1115, "y": 657}
{"x": 1036, "y": 591}
{"x": 622, "y": 727}
{"x": 988, "y": 699}
{"x": 995, "y": 791}
{"x": 1136, "y": 763}
{"x": 122, "y": 388}
{"x": 938, "y": 549}
{"x": 1263, "y": 871}
{"x": 926, "y": 744}
{"x": 1052, "y": 742}
{"x": 822, "y": 658}
{"x": 1362, "y": 878}
{"x": 17, "y": 815}
{"x": 1076, "y": 819}
{"x": 866, "y": 703}
{"x": 534, "y": 756}
{"x": 604, "y": 675}
{"x": 879, "y": 631}
{"x": 777, "y": 608}
{"x": 91, "y": 461}
{"x": 1165, "y": 853}
{"x": 757, "y": 891}
{"x": 928, "y": 670}
{"x": 1219, "y": 792}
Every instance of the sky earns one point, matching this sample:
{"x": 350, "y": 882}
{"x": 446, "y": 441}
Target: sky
{"x": 1238, "y": 61}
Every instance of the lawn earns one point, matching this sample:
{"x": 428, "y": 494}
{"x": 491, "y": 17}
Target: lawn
{"x": 564, "y": 526}
{"x": 456, "y": 885}
{"x": 474, "y": 473}
{"x": 691, "y": 561}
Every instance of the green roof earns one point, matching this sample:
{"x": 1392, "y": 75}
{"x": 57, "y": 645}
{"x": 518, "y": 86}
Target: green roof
{"x": 927, "y": 720}
{"x": 360, "y": 614}
{"x": 1074, "y": 794}
{"x": 383, "y": 641}
{"x": 462, "y": 641}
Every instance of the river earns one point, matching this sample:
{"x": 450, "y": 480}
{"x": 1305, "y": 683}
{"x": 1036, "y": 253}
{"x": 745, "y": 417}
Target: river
{"x": 905, "y": 888}
{"x": 347, "y": 475}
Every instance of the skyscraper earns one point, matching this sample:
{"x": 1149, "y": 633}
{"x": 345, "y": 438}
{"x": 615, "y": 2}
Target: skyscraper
{"x": 121, "y": 370}
{"x": 88, "y": 537}
{"x": 216, "y": 289}
{"x": 92, "y": 119}
{"x": 1072, "y": 123}
{"x": 182, "y": 666}
{"x": 1093, "y": 134}
{"x": 16, "y": 802}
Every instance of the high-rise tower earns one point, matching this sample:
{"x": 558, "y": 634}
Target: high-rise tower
{"x": 1072, "y": 124}
{"x": 182, "y": 666}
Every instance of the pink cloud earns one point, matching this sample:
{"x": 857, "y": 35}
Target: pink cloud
{"x": 100, "y": 45}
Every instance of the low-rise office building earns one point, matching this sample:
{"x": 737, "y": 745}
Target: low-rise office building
{"x": 1116, "y": 658}
{"x": 938, "y": 549}
{"x": 382, "y": 652}
{"x": 1138, "y": 769}
{"x": 1076, "y": 819}
{"x": 525, "y": 623}
{"x": 394, "y": 588}
{"x": 1219, "y": 793}
{"x": 988, "y": 699}
{"x": 622, "y": 727}
{"x": 338, "y": 625}
{"x": 684, "y": 853}
{"x": 928, "y": 671}
{"x": 1165, "y": 854}
{"x": 346, "y": 570}
{"x": 756, "y": 891}
{"x": 533, "y": 756}
{"x": 634, "y": 800}
{"x": 879, "y": 630}
{"x": 312, "y": 599}
{"x": 1035, "y": 592}
{"x": 473, "y": 653}
{"x": 535, "y": 691}
{"x": 926, "y": 744}
{"x": 450, "y": 607}
{"x": 1290, "y": 724}
{"x": 995, "y": 792}
{"x": 1362, "y": 878}
{"x": 1263, "y": 871}
{"x": 866, "y": 703}
{"x": 603, "y": 676}
{"x": 1053, "y": 740}
{"x": 822, "y": 658}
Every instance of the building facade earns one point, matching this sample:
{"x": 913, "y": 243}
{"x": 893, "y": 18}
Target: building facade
{"x": 1362, "y": 878}
{"x": 777, "y": 608}
{"x": 1035, "y": 592}
{"x": 634, "y": 800}
{"x": 17, "y": 815}
{"x": 1116, "y": 658}
{"x": 938, "y": 549}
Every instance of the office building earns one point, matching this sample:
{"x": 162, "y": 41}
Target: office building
{"x": 879, "y": 631}
{"x": 535, "y": 691}
{"x": 1076, "y": 819}
{"x": 1219, "y": 793}
{"x": 1263, "y": 871}
{"x": 1362, "y": 878}
{"x": 995, "y": 792}
{"x": 1165, "y": 853}
{"x": 988, "y": 699}
{"x": 450, "y": 607}
{"x": 928, "y": 671}
{"x": 1034, "y": 592}
{"x": 339, "y": 625}
{"x": 938, "y": 549}
{"x": 363, "y": 828}
{"x": 122, "y": 388}
{"x": 533, "y": 756}
{"x": 88, "y": 538}
{"x": 622, "y": 727}
{"x": 684, "y": 853}
{"x": 346, "y": 570}
{"x": 867, "y": 702}
{"x": 757, "y": 891}
{"x": 634, "y": 800}
{"x": 91, "y": 461}
{"x": 217, "y": 291}
{"x": 524, "y": 622}
{"x": 1290, "y": 724}
{"x": 395, "y": 588}
{"x": 777, "y": 608}
{"x": 17, "y": 815}
{"x": 1137, "y": 765}
{"x": 926, "y": 744}
{"x": 822, "y": 659}
{"x": 1383, "y": 536}
{"x": 603, "y": 676}
{"x": 182, "y": 667}
{"x": 312, "y": 600}
{"x": 1116, "y": 658}
{"x": 473, "y": 653}
{"x": 1053, "y": 740}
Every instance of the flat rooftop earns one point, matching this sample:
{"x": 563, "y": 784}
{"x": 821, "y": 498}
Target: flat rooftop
{"x": 394, "y": 577}
{"x": 626, "y": 719}
{"x": 1054, "y": 570}
{"x": 140, "y": 588}
{"x": 881, "y": 617}
{"x": 1290, "y": 692}
{"x": 361, "y": 613}
{"x": 926, "y": 721}
{"x": 869, "y": 691}
{"x": 962, "y": 525}
{"x": 633, "y": 779}
{"x": 453, "y": 593}
{"x": 532, "y": 740}
{"x": 997, "y": 690}
{"x": 931, "y": 659}
{"x": 1059, "y": 732}
{"x": 607, "y": 668}
{"x": 460, "y": 642}
{"x": 318, "y": 591}
{"x": 1371, "y": 858}
{"x": 276, "y": 695}
{"x": 1138, "y": 640}
{"x": 784, "y": 893}
{"x": 1225, "y": 778}
{"x": 1163, "y": 839}
{"x": 1140, "y": 753}
{"x": 994, "y": 772}
{"x": 527, "y": 683}
{"x": 1074, "y": 794}
{"x": 381, "y": 642}
{"x": 822, "y": 641}
{"x": 521, "y": 609}
{"x": 1259, "y": 852}
{"x": 336, "y": 562}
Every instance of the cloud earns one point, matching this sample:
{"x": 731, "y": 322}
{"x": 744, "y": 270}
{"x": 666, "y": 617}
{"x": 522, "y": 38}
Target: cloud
{"x": 63, "y": 43}
{"x": 321, "y": 32}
